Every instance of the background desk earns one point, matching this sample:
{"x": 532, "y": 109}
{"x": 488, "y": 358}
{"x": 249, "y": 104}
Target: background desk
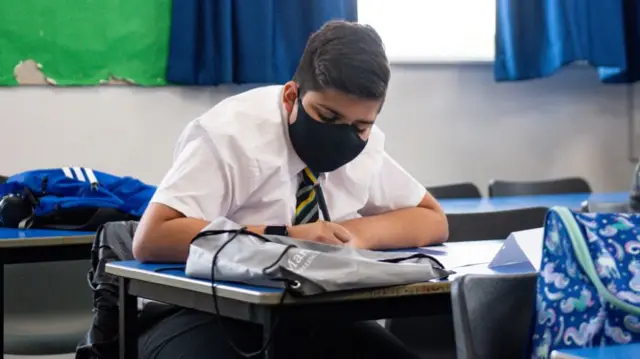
{"x": 38, "y": 245}
{"x": 573, "y": 201}
{"x": 629, "y": 351}
{"x": 167, "y": 283}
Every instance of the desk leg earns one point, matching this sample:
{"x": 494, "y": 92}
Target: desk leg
{"x": 269, "y": 333}
{"x": 128, "y": 320}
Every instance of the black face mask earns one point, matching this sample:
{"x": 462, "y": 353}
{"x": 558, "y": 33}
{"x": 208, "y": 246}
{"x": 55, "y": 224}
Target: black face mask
{"x": 324, "y": 147}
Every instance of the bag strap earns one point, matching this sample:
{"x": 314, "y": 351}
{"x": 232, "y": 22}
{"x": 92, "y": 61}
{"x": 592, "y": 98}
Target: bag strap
{"x": 100, "y": 216}
{"x": 586, "y": 261}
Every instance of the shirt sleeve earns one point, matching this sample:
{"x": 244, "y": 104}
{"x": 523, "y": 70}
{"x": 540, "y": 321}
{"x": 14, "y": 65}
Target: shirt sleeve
{"x": 197, "y": 185}
{"x": 392, "y": 188}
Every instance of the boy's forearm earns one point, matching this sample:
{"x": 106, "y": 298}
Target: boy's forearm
{"x": 169, "y": 241}
{"x": 166, "y": 241}
{"x": 403, "y": 228}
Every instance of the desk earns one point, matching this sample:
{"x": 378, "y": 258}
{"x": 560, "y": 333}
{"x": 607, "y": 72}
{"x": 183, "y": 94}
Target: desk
{"x": 39, "y": 245}
{"x": 261, "y": 304}
{"x": 629, "y": 351}
{"x": 573, "y": 201}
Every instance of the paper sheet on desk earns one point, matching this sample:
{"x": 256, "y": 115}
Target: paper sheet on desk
{"x": 461, "y": 254}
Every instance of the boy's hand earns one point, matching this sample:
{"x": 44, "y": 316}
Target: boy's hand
{"x": 321, "y": 231}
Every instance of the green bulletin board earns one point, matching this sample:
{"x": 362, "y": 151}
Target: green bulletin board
{"x": 86, "y": 42}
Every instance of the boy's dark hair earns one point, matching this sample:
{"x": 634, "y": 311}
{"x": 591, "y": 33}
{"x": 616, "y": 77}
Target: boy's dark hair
{"x": 347, "y": 57}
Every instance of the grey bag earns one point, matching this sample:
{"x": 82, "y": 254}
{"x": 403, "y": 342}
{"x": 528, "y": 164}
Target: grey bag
{"x": 303, "y": 267}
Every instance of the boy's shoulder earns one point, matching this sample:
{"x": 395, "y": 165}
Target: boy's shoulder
{"x": 249, "y": 125}
{"x": 243, "y": 112}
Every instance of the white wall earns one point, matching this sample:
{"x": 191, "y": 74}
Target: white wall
{"x": 443, "y": 123}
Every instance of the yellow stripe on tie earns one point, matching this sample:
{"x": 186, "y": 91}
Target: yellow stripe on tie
{"x": 311, "y": 176}
{"x": 304, "y": 203}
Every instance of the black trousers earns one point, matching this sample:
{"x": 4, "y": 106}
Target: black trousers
{"x": 189, "y": 334}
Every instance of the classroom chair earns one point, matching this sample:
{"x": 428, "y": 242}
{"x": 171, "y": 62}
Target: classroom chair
{"x": 500, "y": 188}
{"x": 440, "y": 342}
{"x": 47, "y": 307}
{"x": 493, "y": 225}
{"x": 492, "y": 315}
{"x": 455, "y": 190}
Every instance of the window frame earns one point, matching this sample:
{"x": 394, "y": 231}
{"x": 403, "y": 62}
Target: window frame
{"x": 372, "y": 11}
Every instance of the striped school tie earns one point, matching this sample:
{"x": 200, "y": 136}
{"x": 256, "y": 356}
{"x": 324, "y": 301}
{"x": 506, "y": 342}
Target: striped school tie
{"x": 307, "y": 208}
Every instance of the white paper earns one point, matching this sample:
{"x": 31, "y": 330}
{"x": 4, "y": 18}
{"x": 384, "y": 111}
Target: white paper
{"x": 521, "y": 247}
{"x": 459, "y": 254}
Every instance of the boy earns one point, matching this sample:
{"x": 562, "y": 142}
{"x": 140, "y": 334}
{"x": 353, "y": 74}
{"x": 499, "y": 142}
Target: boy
{"x": 256, "y": 158}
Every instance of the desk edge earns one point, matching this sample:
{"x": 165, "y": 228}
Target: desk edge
{"x": 46, "y": 241}
{"x": 196, "y": 285}
{"x": 256, "y": 297}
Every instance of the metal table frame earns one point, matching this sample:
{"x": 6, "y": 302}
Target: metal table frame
{"x": 422, "y": 299}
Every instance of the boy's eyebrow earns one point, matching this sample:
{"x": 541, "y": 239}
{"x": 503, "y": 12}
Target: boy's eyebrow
{"x": 339, "y": 115}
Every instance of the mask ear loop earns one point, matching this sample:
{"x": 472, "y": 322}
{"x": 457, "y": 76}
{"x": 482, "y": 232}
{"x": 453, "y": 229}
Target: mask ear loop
{"x": 288, "y": 284}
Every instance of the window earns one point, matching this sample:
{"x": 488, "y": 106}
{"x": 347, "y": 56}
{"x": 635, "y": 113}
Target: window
{"x": 440, "y": 31}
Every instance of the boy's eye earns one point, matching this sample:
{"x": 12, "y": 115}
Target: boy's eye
{"x": 328, "y": 119}
{"x": 361, "y": 129}
{"x": 333, "y": 119}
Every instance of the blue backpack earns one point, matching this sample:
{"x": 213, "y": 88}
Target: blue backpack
{"x": 71, "y": 198}
{"x": 588, "y": 288}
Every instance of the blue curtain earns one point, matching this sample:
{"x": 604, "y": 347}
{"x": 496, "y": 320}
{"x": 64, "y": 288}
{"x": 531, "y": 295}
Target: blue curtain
{"x": 535, "y": 38}
{"x": 214, "y": 42}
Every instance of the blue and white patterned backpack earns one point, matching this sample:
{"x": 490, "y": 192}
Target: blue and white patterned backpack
{"x": 588, "y": 289}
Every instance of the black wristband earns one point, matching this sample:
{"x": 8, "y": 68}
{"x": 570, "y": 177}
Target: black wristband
{"x": 277, "y": 230}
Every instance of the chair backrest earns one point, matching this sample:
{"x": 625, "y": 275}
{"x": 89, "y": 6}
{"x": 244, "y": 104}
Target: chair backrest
{"x": 455, "y": 190}
{"x": 492, "y": 315}
{"x": 113, "y": 242}
{"x": 493, "y": 225}
{"x": 47, "y": 307}
{"x": 62, "y": 283}
{"x": 499, "y": 188}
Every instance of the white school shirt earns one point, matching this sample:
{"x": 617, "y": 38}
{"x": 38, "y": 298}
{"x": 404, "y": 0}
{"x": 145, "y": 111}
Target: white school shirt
{"x": 236, "y": 161}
